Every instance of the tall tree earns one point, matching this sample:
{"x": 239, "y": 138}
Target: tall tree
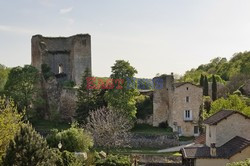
{"x": 205, "y": 86}
{"x": 201, "y": 80}
{"x": 28, "y": 148}
{"x": 214, "y": 89}
{"x": 10, "y": 121}
{"x": 122, "y": 96}
{"x": 87, "y": 98}
{"x": 22, "y": 86}
{"x": 4, "y": 71}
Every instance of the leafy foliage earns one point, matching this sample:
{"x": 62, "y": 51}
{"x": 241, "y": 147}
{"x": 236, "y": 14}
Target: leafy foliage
{"x": 205, "y": 86}
{"x": 122, "y": 96}
{"x": 233, "y": 102}
{"x": 4, "y": 71}
{"x": 10, "y": 122}
{"x": 28, "y": 148}
{"x": 114, "y": 160}
{"x": 88, "y": 99}
{"x": 214, "y": 89}
{"x": 240, "y": 163}
{"x": 144, "y": 106}
{"x": 21, "y": 86}
{"x": 46, "y": 71}
{"x": 238, "y": 64}
{"x": 74, "y": 139}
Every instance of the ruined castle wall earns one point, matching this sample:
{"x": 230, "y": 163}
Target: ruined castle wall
{"x": 72, "y": 53}
{"x": 162, "y": 100}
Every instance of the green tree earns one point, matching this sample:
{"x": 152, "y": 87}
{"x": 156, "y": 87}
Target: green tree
{"x": 74, "y": 139}
{"x": 201, "y": 80}
{"x": 4, "y": 71}
{"x": 22, "y": 86}
{"x": 144, "y": 106}
{"x": 28, "y": 148}
{"x": 87, "y": 98}
{"x": 233, "y": 102}
{"x": 10, "y": 121}
{"x": 122, "y": 96}
{"x": 114, "y": 160}
{"x": 205, "y": 86}
{"x": 214, "y": 89}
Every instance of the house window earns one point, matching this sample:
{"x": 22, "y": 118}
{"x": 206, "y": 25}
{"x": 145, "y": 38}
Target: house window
{"x": 196, "y": 130}
{"x": 188, "y": 115}
{"x": 187, "y": 99}
{"x": 60, "y": 69}
{"x": 187, "y": 88}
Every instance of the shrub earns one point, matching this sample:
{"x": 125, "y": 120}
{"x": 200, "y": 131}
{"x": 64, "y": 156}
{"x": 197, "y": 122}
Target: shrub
{"x": 240, "y": 163}
{"x": 28, "y": 148}
{"x": 74, "y": 139}
{"x": 144, "y": 105}
{"x": 46, "y": 71}
{"x": 163, "y": 125}
{"x": 114, "y": 160}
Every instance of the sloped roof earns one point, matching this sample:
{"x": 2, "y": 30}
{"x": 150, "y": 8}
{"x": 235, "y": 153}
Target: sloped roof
{"x": 178, "y": 84}
{"x": 229, "y": 149}
{"x": 219, "y": 116}
{"x": 201, "y": 139}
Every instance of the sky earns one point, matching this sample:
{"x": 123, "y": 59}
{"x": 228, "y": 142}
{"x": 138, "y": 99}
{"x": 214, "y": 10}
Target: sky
{"x": 155, "y": 36}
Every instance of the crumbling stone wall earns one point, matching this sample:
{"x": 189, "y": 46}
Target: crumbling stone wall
{"x": 72, "y": 54}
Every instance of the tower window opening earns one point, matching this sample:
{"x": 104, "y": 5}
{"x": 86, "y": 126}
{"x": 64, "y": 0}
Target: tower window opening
{"x": 60, "y": 69}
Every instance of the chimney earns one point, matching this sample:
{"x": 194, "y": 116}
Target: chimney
{"x": 213, "y": 150}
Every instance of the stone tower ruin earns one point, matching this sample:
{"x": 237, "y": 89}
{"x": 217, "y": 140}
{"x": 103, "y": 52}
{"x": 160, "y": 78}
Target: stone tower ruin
{"x": 67, "y": 56}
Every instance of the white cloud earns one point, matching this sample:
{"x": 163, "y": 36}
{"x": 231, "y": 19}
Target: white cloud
{"x": 66, "y": 10}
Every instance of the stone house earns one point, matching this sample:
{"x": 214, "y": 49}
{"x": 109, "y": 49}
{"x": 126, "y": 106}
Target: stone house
{"x": 178, "y": 104}
{"x": 227, "y": 140}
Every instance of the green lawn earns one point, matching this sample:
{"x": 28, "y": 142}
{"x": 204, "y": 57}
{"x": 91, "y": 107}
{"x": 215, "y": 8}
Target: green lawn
{"x": 182, "y": 138}
{"x": 150, "y": 130}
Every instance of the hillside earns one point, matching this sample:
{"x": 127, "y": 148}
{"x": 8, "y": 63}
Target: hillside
{"x": 226, "y": 70}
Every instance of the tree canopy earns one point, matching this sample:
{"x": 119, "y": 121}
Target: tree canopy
{"x": 122, "y": 96}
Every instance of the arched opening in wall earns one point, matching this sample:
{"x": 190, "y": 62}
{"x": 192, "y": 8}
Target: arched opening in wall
{"x": 60, "y": 69}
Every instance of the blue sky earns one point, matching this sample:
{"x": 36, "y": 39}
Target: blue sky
{"x": 155, "y": 36}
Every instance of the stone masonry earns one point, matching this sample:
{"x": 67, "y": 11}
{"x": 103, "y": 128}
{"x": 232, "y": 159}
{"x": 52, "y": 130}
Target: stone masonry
{"x": 68, "y": 55}
{"x": 171, "y": 103}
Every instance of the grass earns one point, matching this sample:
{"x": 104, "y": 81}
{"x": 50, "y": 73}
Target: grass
{"x": 146, "y": 129}
{"x": 182, "y": 138}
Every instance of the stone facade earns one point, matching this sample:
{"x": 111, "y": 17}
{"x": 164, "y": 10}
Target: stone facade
{"x": 178, "y": 104}
{"x": 227, "y": 129}
{"x": 68, "y": 55}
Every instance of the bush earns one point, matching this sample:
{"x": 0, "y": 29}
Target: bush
{"x": 163, "y": 125}
{"x": 70, "y": 159}
{"x": 144, "y": 105}
{"x": 46, "y": 71}
{"x": 28, "y": 148}
{"x": 73, "y": 139}
{"x": 68, "y": 84}
{"x": 240, "y": 163}
{"x": 114, "y": 160}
